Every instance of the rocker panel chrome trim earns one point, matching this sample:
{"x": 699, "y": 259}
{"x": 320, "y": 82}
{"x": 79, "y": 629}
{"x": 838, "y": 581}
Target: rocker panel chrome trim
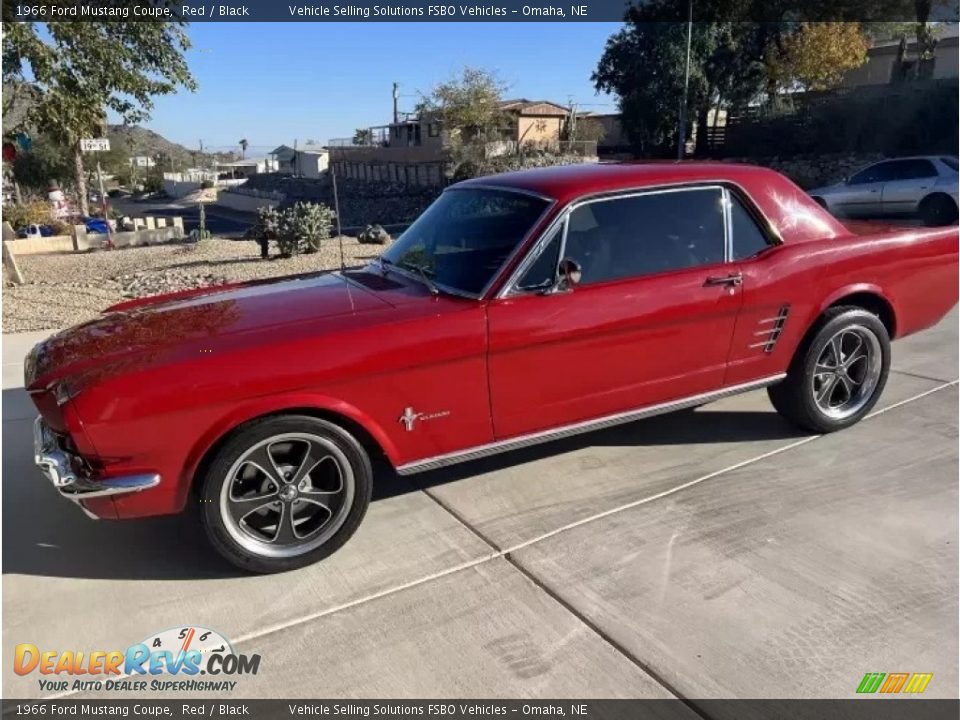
{"x": 522, "y": 441}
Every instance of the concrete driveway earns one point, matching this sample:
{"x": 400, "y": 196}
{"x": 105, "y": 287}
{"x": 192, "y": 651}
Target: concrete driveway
{"x": 712, "y": 554}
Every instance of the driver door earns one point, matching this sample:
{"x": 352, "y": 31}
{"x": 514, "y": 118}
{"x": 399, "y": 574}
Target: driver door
{"x": 862, "y": 196}
{"x": 650, "y": 322}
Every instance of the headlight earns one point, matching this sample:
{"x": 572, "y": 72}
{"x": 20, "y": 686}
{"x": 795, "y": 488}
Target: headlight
{"x": 30, "y": 367}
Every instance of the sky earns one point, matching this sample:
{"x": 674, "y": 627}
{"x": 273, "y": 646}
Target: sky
{"x": 273, "y": 83}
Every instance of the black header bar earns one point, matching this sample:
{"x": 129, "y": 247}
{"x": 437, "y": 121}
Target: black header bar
{"x": 477, "y": 11}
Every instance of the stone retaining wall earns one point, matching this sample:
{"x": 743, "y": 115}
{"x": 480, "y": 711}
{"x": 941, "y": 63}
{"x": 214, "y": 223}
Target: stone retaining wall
{"x": 152, "y": 231}
{"x": 245, "y": 203}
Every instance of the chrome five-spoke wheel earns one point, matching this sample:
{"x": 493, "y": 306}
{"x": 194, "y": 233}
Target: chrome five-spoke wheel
{"x": 284, "y": 492}
{"x": 287, "y": 494}
{"x": 838, "y": 372}
{"x": 847, "y": 372}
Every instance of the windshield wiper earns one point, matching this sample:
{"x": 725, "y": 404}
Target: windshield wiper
{"x": 431, "y": 285}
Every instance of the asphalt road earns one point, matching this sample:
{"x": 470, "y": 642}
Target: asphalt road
{"x": 219, "y": 221}
{"x": 713, "y": 554}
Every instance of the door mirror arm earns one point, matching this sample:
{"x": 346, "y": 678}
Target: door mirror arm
{"x": 569, "y": 275}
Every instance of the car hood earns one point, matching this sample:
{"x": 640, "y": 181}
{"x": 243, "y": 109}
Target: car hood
{"x": 208, "y": 320}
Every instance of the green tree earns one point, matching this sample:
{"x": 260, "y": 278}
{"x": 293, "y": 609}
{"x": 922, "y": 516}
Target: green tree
{"x": 363, "y": 136}
{"x": 45, "y": 161}
{"x": 732, "y": 44}
{"x": 243, "y": 148}
{"x": 80, "y": 70}
{"x": 817, "y": 55}
{"x": 469, "y": 106}
{"x": 586, "y": 128}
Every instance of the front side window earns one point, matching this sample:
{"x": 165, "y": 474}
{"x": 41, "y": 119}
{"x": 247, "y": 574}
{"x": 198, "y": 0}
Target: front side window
{"x": 646, "y": 234}
{"x": 874, "y": 173}
{"x": 542, "y": 274}
{"x": 463, "y": 239}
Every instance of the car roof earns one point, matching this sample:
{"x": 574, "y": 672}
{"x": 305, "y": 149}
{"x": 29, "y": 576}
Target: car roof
{"x": 914, "y": 157}
{"x": 566, "y": 182}
{"x": 790, "y": 213}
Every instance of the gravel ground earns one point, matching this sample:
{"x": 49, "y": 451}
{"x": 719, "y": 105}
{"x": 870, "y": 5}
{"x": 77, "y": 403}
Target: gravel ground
{"x": 65, "y": 289}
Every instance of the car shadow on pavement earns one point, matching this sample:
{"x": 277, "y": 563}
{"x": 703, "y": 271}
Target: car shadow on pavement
{"x": 45, "y": 535}
{"x": 687, "y": 427}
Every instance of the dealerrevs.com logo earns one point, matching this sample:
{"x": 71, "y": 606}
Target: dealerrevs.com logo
{"x": 178, "y": 659}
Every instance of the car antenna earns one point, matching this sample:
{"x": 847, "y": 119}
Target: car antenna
{"x": 336, "y": 211}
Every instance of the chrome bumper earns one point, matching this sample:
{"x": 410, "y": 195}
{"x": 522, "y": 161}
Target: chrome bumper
{"x": 55, "y": 464}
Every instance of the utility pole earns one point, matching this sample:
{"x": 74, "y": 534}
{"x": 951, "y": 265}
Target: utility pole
{"x": 682, "y": 134}
{"x": 396, "y": 99}
{"x": 572, "y": 122}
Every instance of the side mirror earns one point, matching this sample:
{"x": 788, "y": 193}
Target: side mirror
{"x": 570, "y": 274}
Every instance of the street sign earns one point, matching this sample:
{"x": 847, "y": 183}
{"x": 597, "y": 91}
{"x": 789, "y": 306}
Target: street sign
{"x": 95, "y": 144}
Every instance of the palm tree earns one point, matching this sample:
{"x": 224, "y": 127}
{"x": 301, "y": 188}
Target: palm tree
{"x": 243, "y": 148}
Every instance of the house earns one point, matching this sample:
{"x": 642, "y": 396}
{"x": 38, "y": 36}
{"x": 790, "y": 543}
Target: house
{"x": 614, "y": 138}
{"x": 308, "y": 160}
{"x": 881, "y": 64}
{"x": 531, "y": 122}
{"x": 413, "y": 149}
{"x": 311, "y": 160}
{"x": 535, "y": 122}
{"x": 245, "y": 168}
{"x": 284, "y": 158}
{"x": 142, "y": 161}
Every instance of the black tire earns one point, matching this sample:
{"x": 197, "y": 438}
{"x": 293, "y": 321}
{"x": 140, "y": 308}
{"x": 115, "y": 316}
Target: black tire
{"x": 938, "y": 210}
{"x": 798, "y": 398}
{"x": 238, "y": 465}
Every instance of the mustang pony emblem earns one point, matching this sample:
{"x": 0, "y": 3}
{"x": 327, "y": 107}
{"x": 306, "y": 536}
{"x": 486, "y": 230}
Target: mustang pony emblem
{"x": 410, "y": 417}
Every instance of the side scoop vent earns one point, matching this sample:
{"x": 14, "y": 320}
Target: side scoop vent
{"x": 770, "y": 330}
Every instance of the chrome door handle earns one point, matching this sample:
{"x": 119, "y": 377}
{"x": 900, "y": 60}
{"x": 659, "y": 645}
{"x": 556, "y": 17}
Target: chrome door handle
{"x": 727, "y": 280}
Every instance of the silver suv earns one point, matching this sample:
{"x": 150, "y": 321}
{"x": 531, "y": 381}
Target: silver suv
{"x": 924, "y": 187}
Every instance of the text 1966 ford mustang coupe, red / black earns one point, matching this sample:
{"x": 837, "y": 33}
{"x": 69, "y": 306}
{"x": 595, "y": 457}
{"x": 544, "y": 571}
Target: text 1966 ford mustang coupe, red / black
{"x": 517, "y": 309}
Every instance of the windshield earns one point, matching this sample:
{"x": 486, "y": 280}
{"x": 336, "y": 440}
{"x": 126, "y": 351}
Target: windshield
{"x": 465, "y": 236}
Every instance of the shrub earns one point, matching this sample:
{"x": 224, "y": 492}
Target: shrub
{"x": 301, "y": 228}
{"x": 29, "y": 213}
{"x": 206, "y": 184}
{"x": 267, "y": 226}
{"x": 153, "y": 184}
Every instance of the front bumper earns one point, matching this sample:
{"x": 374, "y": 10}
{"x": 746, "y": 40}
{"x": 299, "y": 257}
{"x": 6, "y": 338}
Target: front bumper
{"x": 60, "y": 468}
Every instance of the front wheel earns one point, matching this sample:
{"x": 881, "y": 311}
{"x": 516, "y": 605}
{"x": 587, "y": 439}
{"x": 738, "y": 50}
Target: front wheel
{"x": 285, "y": 492}
{"x": 838, "y": 375}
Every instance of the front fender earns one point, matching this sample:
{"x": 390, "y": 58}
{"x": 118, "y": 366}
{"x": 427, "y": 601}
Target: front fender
{"x": 259, "y": 407}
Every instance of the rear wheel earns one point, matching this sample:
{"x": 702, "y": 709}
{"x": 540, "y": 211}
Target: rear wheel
{"x": 838, "y": 374}
{"x": 285, "y": 492}
{"x": 938, "y": 210}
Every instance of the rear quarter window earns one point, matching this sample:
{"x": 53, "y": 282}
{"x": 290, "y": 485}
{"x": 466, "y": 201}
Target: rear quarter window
{"x": 747, "y": 239}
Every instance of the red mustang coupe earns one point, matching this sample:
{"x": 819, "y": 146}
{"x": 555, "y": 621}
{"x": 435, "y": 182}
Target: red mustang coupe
{"x": 517, "y": 309}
